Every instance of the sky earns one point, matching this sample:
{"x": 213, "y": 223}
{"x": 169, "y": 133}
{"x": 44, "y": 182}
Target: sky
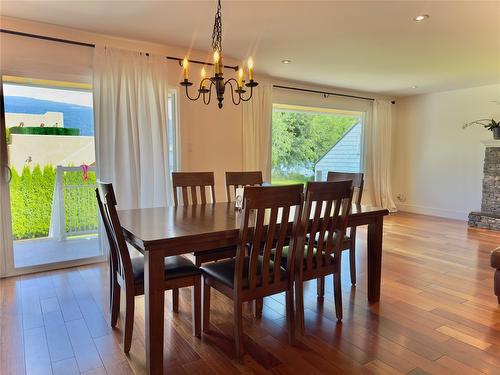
{"x": 83, "y": 98}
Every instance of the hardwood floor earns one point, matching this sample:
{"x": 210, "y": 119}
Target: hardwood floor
{"x": 437, "y": 315}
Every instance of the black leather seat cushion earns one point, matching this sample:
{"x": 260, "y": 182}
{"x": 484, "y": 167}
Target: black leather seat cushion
{"x": 284, "y": 255}
{"x": 175, "y": 267}
{"x": 223, "y": 271}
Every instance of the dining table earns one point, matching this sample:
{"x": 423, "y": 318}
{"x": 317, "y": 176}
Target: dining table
{"x": 166, "y": 231}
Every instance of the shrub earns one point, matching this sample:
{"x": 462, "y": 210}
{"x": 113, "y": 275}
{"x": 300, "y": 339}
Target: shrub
{"x": 32, "y": 194}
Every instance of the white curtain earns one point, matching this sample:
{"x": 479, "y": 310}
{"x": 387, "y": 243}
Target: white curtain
{"x": 130, "y": 115}
{"x": 257, "y": 131}
{"x": 378, "y": 133}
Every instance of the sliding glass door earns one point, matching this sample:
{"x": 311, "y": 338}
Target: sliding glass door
{"x": 49, "y": 136}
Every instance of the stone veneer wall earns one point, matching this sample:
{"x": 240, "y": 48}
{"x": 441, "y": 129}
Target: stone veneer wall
{"x": 491, "y": 181}
{"x": 489, "y": 217}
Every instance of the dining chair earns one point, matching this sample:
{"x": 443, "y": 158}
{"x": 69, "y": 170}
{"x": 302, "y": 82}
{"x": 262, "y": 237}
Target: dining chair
{"x": 350, "y": 237}
{"x": 193, "y": 187}
{"x": 324, "y": 217}
{"x": 128, "y": 273}
{"x": 235, "y": 180}
{"x": 264, "y": 223}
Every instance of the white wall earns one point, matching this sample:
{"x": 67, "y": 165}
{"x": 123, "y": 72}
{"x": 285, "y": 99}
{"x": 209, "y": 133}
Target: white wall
{"x": 210, "y": 138}
{"x": 436, "y": 164}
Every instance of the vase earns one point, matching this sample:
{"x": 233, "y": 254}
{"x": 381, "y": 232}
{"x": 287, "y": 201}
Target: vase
{"x": 496, "y": 133}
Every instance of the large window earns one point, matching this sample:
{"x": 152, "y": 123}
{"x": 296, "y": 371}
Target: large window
{"x": 309, "y": 142}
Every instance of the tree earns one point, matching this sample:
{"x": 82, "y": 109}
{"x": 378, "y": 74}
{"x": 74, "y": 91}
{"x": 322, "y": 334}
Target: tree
{"x": 300, "y": 139}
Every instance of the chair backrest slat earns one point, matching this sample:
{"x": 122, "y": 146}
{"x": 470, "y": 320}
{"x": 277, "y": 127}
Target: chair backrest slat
{"x": 358, "y": 182}
{"x": 118, "y": 247}
{"x": 240, "y": 179}
{"x": 265, "y": 225}
{"x": 192, "y": 183}
{"x": 328, "y": 205}
{"x": 269, "y": 241}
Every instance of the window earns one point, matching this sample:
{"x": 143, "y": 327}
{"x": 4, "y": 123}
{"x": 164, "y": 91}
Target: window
{"x": 308, "y": 142}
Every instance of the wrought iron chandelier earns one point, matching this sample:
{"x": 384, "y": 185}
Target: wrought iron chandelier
{"x": 217, "y": 80}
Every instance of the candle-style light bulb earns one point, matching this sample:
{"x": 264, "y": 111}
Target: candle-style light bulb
{"x": 216, "y": 62}
{"x": 185, "y": 64}
{"x": 203, "y": 75}
{"x": 240, "y": 78}
{"x": 250, "y": 68}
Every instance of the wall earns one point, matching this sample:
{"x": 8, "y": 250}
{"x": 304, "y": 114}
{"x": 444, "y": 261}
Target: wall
{"x": 49, "y": 119}
{"x": 210, "y": 139}
{"x": 50, "y": 149}
{"x": 436, "y": 164}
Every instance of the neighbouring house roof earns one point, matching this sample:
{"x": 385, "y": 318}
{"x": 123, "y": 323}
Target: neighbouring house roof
{"x": 344, "y": 155}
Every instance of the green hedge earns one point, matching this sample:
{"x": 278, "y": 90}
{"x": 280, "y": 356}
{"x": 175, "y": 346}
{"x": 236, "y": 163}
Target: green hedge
{"x": 32, "y": 193}
{"x": 43, "y": 131}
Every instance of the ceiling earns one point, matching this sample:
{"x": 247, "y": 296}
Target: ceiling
{"x": 361, "y": 45}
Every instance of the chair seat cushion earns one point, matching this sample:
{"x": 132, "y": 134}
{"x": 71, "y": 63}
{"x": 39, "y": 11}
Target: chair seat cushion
{"x": 223, "y": 271}
{"x": 175, "y": 267}
{"x": 284, "y": 255}
{"x": 495, "y": 258}
{"x": 346, "y": 237}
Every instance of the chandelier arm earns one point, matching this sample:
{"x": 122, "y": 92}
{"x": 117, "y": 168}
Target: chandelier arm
{"x": 249, "y": 97}
{"x": 190, "y": 98}
{"x": 230, "y": 82}
{"x": 209, "y": 93}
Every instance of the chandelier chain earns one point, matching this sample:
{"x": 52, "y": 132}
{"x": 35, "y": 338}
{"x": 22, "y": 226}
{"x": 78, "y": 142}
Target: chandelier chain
{"x": 217, "y": 32}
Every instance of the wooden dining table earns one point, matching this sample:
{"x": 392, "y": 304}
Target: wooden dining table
{"x": 161, "y": 232}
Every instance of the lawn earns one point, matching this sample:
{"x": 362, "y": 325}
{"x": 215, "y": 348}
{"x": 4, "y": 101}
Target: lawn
{"x": 290, "y": 180}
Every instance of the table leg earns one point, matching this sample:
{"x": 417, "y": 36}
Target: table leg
{"x": 375, "y": 232}
{"x": 154, "y": 306}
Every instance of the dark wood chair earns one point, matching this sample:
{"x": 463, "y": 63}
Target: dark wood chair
{"x": 128, "y": 273}
{"x": 193, "y": 187}
{"x": 235, "y": 180}
{"x": 319, "y": 254}
{"x": 264, "y": 225}
{"x": 350, "y": 238}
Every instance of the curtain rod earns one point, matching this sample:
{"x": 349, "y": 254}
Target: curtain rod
{"x": 325, "y": 93}
{"x": 91, "y": 45}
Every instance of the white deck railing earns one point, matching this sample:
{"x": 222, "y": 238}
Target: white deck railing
{"x": 74, "y": 206}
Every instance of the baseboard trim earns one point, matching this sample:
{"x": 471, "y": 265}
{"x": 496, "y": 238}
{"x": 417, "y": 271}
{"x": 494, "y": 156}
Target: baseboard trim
{"x": 432, "y": 211}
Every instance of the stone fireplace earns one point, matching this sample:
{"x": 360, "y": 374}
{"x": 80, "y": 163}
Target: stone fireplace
{"x": 489, "y": 217}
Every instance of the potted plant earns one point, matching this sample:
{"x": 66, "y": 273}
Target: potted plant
{"x": 489, "y": 124}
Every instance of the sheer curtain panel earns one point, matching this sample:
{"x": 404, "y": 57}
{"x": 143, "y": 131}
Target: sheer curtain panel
{"x": 130, "y": 115}
{"x": 378, "y": 155}
{"x": 257, "y": 131}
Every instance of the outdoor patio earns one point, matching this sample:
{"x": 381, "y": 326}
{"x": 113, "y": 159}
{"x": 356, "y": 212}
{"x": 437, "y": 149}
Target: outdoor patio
{"x": 49, "y": 250}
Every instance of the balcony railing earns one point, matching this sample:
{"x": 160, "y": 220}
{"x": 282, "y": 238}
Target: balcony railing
{"x": 74, "y": 206}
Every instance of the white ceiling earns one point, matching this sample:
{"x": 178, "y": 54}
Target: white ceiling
{"x": 361, "y": 45}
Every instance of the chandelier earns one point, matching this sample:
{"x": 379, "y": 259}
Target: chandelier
{"x": 217, "y": 82}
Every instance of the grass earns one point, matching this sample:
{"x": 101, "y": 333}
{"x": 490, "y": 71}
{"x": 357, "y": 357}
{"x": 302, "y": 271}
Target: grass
{"x": 289, "y": 180}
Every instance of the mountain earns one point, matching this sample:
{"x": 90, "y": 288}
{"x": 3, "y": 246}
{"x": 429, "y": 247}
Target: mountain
{"x": 75, "y": 116}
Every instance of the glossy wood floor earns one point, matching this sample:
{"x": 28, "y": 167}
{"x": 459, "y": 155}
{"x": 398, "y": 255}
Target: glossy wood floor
{"x": 437, "y": 315}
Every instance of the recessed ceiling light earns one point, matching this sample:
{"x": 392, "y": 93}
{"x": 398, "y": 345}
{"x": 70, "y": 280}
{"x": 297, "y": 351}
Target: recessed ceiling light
{"x": 421, "y": 17}
{"x": 286, "y": 61}
{"x": 414, "y": 87}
